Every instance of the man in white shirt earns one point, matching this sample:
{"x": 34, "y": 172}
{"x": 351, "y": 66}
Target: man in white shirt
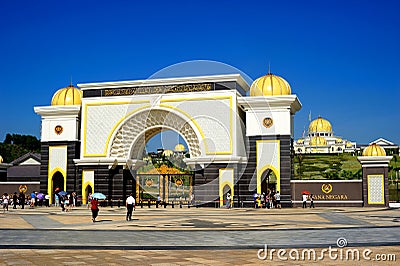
{"x": 304, "y": 197}
{"x": 278, "y": 200}
{"x": 130, "y": 205}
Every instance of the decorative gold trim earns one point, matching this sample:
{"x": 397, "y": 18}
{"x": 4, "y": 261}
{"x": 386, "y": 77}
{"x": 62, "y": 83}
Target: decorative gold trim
{"x": 197, "y": 124}
{"x": 261, "y": 169}
{"x": 122, "y": 119}
{"x": 85, "y": 185}
{"x": 51, "y": 172}
{"x": 224, "y": 183}
{"x": 106, "y": 146}
{"x": 369, "y": 189}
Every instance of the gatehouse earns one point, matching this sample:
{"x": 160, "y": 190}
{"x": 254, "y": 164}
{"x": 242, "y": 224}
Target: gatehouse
{"x": 93, "y": 137}
{"x": 238, "y": 140}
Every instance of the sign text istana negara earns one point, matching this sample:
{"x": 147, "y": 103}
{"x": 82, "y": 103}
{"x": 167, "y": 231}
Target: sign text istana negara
{"x": 158, "y": 89}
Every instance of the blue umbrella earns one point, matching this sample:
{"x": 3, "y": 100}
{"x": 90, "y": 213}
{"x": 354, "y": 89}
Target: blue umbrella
{"x": 98, "y": 195}
{"x": 40, "y": 196}
{"x": 62, "y": 193}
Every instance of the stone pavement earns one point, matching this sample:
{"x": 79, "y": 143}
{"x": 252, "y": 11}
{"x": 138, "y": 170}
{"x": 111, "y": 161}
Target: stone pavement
{"x": 200, "y": 218}
{"x": 188, "y": 236}
{"x": 185, "y": 257}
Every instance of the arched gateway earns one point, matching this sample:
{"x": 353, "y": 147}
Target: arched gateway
{"x": 131, "y": 137}
{"x": 96, "y": 136}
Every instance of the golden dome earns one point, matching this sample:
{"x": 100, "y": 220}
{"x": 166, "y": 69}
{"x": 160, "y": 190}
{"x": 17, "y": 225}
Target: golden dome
{"x": 300, "y": 141}
{"x": 270, "y": 85}
{"x": 320, "y": 125}
{"x": 318, "y": 141}
{"x": 339, "y": 140}
{"x": 374, "y": 150}
{"x": 179, "y": 147}
{"x": 349, "y": 144}
{"x": 167, "y": 153}
{"x": 67, "y": 96}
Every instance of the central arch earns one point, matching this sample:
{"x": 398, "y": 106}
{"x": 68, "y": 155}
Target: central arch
{"x": 131, "y": 137}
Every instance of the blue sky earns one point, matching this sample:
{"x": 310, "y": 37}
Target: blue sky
{"x": 342, "y": 58}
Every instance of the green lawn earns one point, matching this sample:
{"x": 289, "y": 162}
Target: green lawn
{"x": 339, "y": 166}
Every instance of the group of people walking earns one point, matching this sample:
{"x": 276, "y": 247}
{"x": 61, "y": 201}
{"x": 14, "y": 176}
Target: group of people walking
{"x": 34, "y": 199}
{"x": 268, "y": 201}
{"x": 130, "y": 207}
{"x": 66, "y": 201}
{"x": 306, "y": 197}
{"x": 14, "y": 200}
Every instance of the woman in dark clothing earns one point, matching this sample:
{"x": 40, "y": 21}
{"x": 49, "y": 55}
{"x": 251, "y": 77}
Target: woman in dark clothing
{"x": 22, "y": 200}
{"x": 15, "y": 200}
{"x": 312, "y": 201}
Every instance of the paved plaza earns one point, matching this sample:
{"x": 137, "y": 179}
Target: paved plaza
{"x": 188, "y": 236}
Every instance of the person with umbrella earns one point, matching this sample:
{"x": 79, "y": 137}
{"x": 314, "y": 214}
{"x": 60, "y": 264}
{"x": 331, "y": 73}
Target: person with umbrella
{"x": 61, "y": 199}
{"x": 304, "y": 198}
{"x": 40, "y": 197}
{"x": 94, "y": 206}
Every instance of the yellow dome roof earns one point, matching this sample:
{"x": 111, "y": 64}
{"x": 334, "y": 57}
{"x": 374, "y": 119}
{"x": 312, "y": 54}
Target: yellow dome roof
{"x": 339, "y": 140}
{"x": 270, "y": 85}
{"x": 67, "y": 96}
{"x": 167, "y": 153}
{"x": 318, "y": 141}
{"x": 374, "y": 150}
{"x": 179, "y": 147}
{"x": 300, "y": 141}
{"x": 320, "y": 125}
{"x": 349, "y": 144}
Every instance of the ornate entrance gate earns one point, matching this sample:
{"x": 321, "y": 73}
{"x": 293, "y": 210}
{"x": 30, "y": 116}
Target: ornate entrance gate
{"x": 171, "y": 184}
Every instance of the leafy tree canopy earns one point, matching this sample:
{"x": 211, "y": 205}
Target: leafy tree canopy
{"x": 16, "y": 145}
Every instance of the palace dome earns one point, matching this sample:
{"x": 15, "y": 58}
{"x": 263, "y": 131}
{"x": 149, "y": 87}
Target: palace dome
{"x": 300, "y": 141}
{"x": 339, "y": 140}
{"x": 179, "y": 147}
{"x": 374, "y": 150}
{"x": 320, "y": 125}
{"x": 318, "y": 141}
{"x": 67, "y": 96}
{"x": 270, "y": 85}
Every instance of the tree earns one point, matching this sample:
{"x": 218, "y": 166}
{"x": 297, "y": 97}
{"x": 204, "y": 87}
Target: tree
{"x": 8, "y": 139}
{"x": 30, "y": 143}
{"x": 16, "y": 145}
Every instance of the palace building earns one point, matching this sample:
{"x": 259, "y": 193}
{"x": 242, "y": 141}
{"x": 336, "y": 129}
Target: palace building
{"x": 238, "y": 140}
{"x": 320, "y": 139}
{"x": 238, "y": 136}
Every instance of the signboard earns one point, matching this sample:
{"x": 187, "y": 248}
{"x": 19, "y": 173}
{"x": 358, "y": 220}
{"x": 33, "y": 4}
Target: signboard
{"x": 334, "y": 192}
